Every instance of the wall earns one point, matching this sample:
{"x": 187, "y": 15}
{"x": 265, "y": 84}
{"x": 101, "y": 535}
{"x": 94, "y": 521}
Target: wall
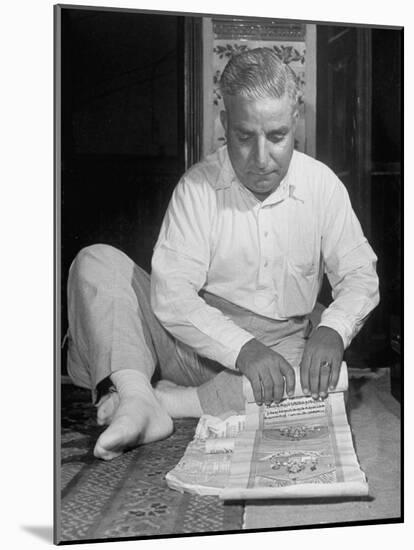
{"x": 122, "y": 142}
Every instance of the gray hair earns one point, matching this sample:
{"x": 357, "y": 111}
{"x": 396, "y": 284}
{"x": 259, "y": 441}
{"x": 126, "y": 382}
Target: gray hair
{"x": 259, "y": 74}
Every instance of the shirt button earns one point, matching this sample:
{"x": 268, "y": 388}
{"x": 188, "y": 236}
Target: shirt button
{"x": 266, "y": 263}
{"x": 266, "y": 233}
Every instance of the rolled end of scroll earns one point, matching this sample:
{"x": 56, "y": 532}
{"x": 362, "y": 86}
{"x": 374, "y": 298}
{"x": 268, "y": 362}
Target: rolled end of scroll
{"x": 305, "y": 490}
{"x": 342, "y": 385}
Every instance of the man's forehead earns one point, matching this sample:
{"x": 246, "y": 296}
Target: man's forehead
{"x": 269, "y": 121}
{"x": 246, "y": 109}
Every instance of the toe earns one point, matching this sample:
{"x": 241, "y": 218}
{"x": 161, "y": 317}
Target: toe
{"x": 105, "y": 454}
{"x": 107, "y": 409}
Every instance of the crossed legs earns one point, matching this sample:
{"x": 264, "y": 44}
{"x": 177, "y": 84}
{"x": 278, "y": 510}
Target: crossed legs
{"x": 110, "y": 337}
{"x": 115, "y": 340}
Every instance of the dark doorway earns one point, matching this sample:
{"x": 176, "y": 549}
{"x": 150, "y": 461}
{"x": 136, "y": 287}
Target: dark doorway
{"x": 122, "y": 127}
{"x": 359, "y": 136}
{"x": 124, "y": 139}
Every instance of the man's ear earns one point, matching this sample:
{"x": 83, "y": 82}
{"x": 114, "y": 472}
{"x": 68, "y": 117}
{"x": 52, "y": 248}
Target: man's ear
{"x": 295, "y": 118}
{"x": 223, "y": 120}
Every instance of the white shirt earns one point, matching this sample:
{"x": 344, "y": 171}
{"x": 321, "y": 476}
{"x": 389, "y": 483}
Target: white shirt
{"x": 267, "y": 257}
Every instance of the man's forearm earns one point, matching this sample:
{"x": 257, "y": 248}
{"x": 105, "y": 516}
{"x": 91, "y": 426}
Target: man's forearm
{"x": 179, "y": 308}
{"x": 355, "y": 296}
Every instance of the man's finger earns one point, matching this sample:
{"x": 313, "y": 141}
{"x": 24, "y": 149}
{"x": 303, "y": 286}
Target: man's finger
{"x": 304, "y": 371}
{"x": 290, "y": 380}
{"x": 278, "y": 386}
{"x": 324, "y": 377}
{"x": 335, "y": 372}
{"x": 257, "y": 390}
{"x": 267, "y": 386}
{"x": 314, "y": 376}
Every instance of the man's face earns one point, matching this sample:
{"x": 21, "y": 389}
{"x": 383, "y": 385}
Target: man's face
{"x": 260, "y": 140}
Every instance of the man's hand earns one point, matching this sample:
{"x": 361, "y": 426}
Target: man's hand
{"x": 267, "y": 372}
{"x": 324, "y": 347}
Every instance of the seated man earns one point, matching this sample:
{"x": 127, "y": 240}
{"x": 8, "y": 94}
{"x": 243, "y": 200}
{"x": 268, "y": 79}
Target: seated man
{"x": 248, "y": 234}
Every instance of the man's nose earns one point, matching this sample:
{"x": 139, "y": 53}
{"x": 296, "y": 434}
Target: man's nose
{"x": 261, "y": 153}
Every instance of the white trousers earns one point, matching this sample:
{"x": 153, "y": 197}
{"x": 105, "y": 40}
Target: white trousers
{"x": 112, "y": 327}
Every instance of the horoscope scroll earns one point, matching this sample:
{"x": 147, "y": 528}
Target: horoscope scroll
{"x": 297, "y": 449}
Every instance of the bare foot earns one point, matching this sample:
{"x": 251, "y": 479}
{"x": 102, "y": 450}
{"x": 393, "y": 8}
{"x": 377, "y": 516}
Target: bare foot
{"x": 107, "y": 407}
{"x": 139, "y": 417}
{"x": 178, "y": 401}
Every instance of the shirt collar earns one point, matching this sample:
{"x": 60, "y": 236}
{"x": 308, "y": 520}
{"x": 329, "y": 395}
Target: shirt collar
{"x": 290, "y": 185}
{"x": 226, "y": 174}
{"x": 287, "y": 188}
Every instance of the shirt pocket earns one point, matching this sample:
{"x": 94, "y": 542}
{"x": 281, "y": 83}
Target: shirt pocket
{"x": 300, "y": 286}
{"x": 303, "y": 249}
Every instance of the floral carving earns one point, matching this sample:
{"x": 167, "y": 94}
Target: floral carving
{"x": 288, "y": 54}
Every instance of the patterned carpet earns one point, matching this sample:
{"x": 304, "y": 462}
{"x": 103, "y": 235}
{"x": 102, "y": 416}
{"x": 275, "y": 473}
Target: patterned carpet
{"x": 128, "y": 497}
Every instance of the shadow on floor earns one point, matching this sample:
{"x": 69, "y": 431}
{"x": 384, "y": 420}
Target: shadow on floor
{"x": 43, "y": 532}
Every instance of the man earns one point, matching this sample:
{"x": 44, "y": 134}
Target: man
{"x": 236, "y": 272}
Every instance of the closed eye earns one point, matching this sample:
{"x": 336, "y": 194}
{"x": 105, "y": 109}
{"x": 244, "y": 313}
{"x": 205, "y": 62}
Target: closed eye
{"x": 276, "y": 138}
{"x": 243, "y": 136}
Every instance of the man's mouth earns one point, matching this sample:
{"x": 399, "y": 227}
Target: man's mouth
{"x": 264, "y": 174}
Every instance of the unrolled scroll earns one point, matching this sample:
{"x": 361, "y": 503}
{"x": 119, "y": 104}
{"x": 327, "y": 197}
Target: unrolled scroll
{"x": 297, "y": 449}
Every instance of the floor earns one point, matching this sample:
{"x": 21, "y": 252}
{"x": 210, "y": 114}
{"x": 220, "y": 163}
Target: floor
{"x": 129, "y": 498}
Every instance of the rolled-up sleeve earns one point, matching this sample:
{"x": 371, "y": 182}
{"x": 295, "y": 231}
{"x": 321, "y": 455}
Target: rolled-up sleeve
{"x": 180, "y": 266}
{"x": 350, "y": 264}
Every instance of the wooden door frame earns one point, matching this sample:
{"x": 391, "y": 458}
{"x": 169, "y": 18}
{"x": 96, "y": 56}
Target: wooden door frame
{"x": 193, "y": 90}
{"x": 361, "y": 121}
